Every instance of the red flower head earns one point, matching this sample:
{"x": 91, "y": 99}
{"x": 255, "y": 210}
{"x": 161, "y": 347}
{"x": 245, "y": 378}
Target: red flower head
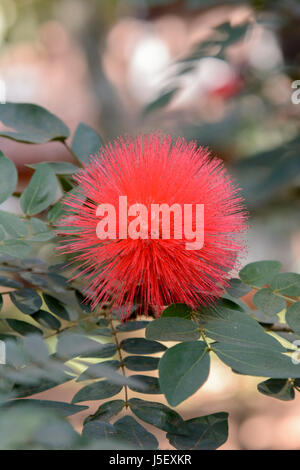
{"x": 150, "y": 268}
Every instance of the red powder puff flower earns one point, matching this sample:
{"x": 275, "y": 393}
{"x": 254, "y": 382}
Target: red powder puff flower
{"x": 153, "y": 270}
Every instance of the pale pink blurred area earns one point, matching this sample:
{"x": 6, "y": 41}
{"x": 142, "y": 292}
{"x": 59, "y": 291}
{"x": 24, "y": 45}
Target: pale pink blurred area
{"x": 51, "y": 72}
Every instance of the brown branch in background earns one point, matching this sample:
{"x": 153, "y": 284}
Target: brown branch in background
{"x": 277, "y": 327}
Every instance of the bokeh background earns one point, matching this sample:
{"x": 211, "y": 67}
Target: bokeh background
{"x": 219, "y": 72}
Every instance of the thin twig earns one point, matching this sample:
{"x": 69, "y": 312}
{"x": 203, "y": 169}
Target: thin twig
{"x": 289, "y": 299}
{"x": 277, "y": 327}
{"x": 114, "y": 332}
{"x": 72, "y": 153}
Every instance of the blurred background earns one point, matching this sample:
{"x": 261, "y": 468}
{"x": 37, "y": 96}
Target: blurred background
{"x": 223, "y": 73}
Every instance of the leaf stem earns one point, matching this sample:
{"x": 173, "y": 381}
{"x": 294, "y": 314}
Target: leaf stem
{"x": 280, "y": 327}
{"x": 114, "y": 332}
{"x": 276, "y": 293}
{"x": 72, "y": 153}
{"x": 205, "y": 339}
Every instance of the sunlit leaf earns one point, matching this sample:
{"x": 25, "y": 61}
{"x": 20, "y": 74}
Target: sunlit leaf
{"x": 22, "y": 327}
{"x": 157, "y": 414}
{"x": 183, "y": 369}
{"x": 86, "y": 142}
{"x": 172, "y": 329}
{"x": 40, "y": 192}
{"x": 133, "y": 432}
{"x": 141, "y": 346}
{"x": 204, "y": 433}
{"x": 293, "y": 317}
{"x": 31, "y": 123}
{"x": 26, "y": 300}
{"x": 97, "y": 391}
{"x": 145, "y": 384}
{"x": 260, "y": 272}
{"x": 277, "y": 388}
{"x": 287, "y": 284}
{"x": 269, "y": 302}
{"x": 8, "y": 177}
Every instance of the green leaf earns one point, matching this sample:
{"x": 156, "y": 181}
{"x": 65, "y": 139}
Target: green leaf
{"x": 56, "y": 306}
{"x": 204, "y": 433}
{"x": 144, "y": 384}
{"x": 9, "y": 177}
{"x": 269, "y": 302}
{"x": 233, "y": 326}
{"x": 59, "y": 208}
{"x": 130, "y": 430}
{"x": 292, "y": 317}
{"x": 64, "y": 409}
{"x": 161, "y": 101}
{"x": 103, "y": 351}
{"x": 237, "y": 288}
{"x": 183, "y": 369}
{"x": 102, "y": 431}
{"x": 102, "y": 322}
{"x": 33, "y": 278}
{"x": 260, "y": 272}
{"x": 84, "y": 305}
{"x": 257, "y": 361}
{"x": 7, "y": 282}
{"x": 157, "y": 414}
{"x": 32, "y": 123}
{"x": 70, "y": 345}
{"x": 229, "y": 304}
{"x": 97, "y": 391}
{"x": 60, "y": 282}
{"x": 132, "y": 325}
{"x": 100, "y": 370}
{"x": 35, "y": 263}
{"x": 106, "y": 411}
{"x": 277, "y": 388}
{"x": 287, "y": 284}
{"x": 86, "y": 142}
{"x": 41, "y": 232}
{"x": 172, "y": 329}
{"x": 26, "y": 300}
{"x": 56, "y": 211}
{"x": 178, "y": 310}
{"x": 15, "y": 248}
{"x": 140, "y": 363}
{"x": 59, "y": 168}
{"x": 234, "y": 34}
{"x": 43, "y": 384}
{"x": 22, "y": 327}
{"x": 13, "y": 225}
{"x": 103, "y": 332}
{"x": 46, "y": 320}
{"x": 40, "y": 192}
{"x": 141, "y": 346}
